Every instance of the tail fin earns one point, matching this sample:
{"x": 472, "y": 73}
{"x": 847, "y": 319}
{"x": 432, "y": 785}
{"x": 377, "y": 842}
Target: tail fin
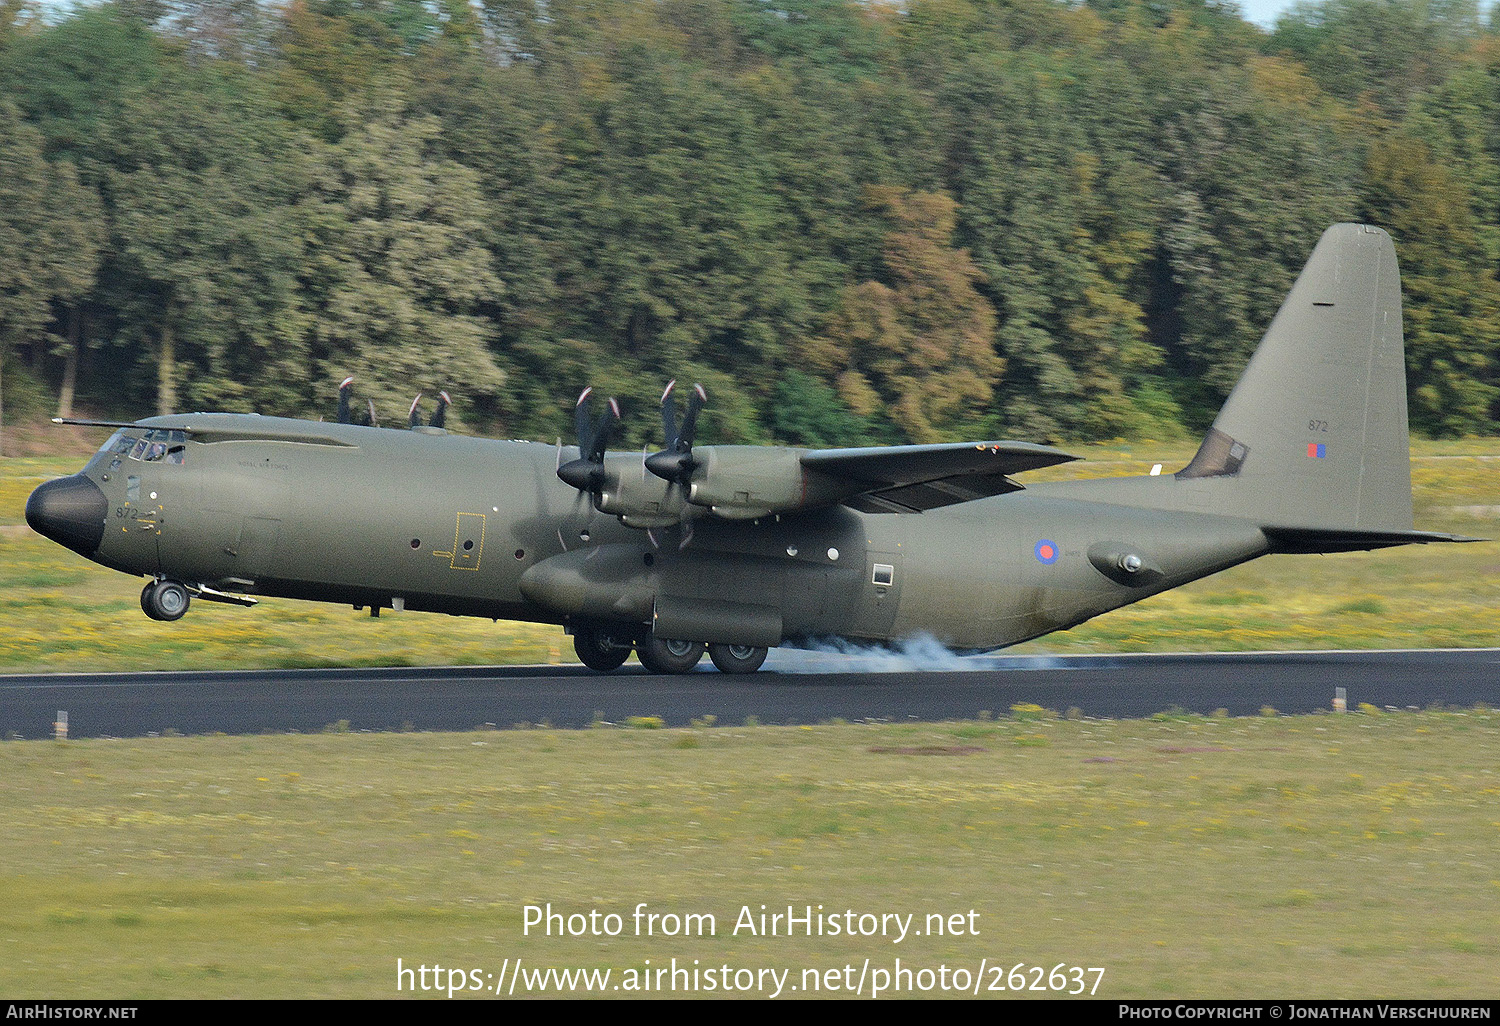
{"x": 1315, "y": 431}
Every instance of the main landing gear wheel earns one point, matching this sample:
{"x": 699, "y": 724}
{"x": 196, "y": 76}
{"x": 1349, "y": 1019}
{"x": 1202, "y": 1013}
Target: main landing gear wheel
{"x": 737, "y": 658}
{"x": 165, "y": 600}
{"x": 600, "y": 650}
{"x": 666, "y": 655}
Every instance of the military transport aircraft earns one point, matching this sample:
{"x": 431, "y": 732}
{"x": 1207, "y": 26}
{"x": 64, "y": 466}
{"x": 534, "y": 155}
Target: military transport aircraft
{"x": 741, "y": 548}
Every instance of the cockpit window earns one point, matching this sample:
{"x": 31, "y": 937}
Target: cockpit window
{"x": 153, "y": 445}
{"x": 159, "y": 445}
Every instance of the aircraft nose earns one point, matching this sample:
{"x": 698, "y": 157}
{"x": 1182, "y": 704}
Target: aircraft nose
{"x": 71, "y": 511}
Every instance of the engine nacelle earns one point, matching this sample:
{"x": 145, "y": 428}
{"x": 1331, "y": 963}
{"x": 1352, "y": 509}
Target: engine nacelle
{"x": 638, "y": 498}
{"x": 742, "y": 482}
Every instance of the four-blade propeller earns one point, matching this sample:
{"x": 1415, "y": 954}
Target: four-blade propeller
{"x": 368, "y": 419}
{"x": 675, "y": 463}
{"x": 587, "y": 472}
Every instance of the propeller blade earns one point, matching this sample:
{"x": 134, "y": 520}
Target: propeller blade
{"x": 583, "y": 423}
{"x": 344, "y": 389}
{"x": 669, "y": 414}
{"x": 602, "y": 429}
{"x": 690, "y": 422}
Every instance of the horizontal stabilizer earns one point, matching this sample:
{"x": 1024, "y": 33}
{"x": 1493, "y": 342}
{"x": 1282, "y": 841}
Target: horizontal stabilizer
{"x": 1334, "y": 539}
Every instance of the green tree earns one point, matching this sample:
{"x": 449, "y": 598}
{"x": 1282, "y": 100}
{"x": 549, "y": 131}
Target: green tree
{"x": 395, "y": 270}
{"x": 1381, "y": 51}
{"x": 1451, "y": 301}
{"x": 206, "y": 242}
{"x": 918, "y": 345}
{"x": 48, "y": 242}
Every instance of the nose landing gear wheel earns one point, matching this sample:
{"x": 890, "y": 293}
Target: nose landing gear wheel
{"x": 165, "y": 600}
{"x": 667, "y": 655}
{"x": 737, "y": 658}
{"x": 600, "y": 650}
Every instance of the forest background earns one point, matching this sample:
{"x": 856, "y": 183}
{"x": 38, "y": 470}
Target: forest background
{"x": 852, "y": 221}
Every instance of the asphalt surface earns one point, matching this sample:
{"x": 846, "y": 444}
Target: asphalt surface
{"x": 803, "y": 688}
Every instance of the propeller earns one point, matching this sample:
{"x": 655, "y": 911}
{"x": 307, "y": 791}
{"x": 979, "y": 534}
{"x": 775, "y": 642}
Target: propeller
{"x": 441, "y": 416}
{"x": 587, "y": 472}
{"x": 414, "y": 415}
{"x": 675, "y": 462}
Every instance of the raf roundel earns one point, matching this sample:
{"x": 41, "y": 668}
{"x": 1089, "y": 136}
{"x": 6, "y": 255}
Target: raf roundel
{"x": 1046, "y": 551}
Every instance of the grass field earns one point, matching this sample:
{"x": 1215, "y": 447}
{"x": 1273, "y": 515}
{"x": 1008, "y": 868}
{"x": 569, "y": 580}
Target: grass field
{"x": 1324, "y": 856}
{"x": 62, "y": 612}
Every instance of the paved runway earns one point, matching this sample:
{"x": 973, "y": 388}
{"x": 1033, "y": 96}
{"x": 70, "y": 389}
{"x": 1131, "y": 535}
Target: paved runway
{"x": 804, "y": 688}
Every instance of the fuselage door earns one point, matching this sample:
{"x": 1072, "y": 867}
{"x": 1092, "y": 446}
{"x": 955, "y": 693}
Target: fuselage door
{"x": 879, "y": 595}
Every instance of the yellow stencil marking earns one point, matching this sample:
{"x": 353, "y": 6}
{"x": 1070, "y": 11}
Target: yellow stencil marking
{"x": 470, "y": 533}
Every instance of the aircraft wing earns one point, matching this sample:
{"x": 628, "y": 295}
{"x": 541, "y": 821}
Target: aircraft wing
{"x": 914, "y": 478}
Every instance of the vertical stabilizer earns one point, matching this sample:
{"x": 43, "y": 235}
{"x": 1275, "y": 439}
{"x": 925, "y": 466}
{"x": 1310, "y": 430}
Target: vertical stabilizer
{"x": 1315, "y": 432}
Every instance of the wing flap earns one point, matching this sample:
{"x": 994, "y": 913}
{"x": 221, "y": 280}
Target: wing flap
{"x": 919, "y": 498}
{"x": 915, "y": 478}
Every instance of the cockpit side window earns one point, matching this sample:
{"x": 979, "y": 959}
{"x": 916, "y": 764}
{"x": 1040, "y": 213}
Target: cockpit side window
{"x": 116, "y": 444}
{"x": 111, "y": 443}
